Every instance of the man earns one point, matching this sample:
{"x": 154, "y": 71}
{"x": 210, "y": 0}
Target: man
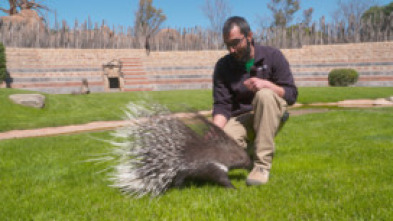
{"x": 252, "y": 86}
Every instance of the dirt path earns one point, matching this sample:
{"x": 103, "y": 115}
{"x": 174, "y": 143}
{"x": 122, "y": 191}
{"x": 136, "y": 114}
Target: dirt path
{"x": 102, "y": 126}
{"x": 109, "y": 125}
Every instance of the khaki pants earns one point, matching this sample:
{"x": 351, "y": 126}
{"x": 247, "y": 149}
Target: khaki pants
{"x": 263, "y": 121}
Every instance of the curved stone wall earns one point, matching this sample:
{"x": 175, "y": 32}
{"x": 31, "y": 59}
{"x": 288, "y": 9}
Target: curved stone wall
{"x": 62, "y": 70}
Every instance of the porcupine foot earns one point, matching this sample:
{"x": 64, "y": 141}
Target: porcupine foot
{"x": 214, "y": 172}
{"x": 219, "y": 173}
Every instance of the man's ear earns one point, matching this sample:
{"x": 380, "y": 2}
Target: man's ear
{"x": 250, "y": 36}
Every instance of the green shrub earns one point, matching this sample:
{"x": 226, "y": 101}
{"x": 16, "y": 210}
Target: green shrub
{"x": 343, "y": 77}
{"x": 3, "y": 69}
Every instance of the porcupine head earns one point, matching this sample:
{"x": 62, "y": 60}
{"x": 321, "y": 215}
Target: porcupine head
{"x": 159, "y": 151}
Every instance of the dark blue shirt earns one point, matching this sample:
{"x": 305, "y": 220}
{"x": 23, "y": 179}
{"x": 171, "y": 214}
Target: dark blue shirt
{"x": 232, "y": 98}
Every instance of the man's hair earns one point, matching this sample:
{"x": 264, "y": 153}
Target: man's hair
{"x": 236, "y": 21}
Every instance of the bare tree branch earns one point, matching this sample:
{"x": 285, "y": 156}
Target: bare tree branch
{"x": 307, "y": 16}
{"x": 13, "y": 4}
{"x": 283, "y": 11}
{"x": 347, "y": 8}
{"x": 26, "y": 4}
{"x": 217, "y": 11}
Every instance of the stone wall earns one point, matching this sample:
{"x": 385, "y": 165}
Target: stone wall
{"x": 62, "y": 70}
{"x": 373, "y": 61}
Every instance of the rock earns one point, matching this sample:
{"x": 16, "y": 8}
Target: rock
{"x": 30, "y": 100}
{"x": 383, "y": 102}
{"x": 356, "y": 103}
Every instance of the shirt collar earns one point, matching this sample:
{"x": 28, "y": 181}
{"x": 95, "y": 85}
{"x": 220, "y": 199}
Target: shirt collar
{"x": 258, "y": 54}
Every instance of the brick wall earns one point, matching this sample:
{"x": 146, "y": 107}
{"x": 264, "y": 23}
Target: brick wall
{"x": 62, "y": 70}
{"x": 373, "y": 61}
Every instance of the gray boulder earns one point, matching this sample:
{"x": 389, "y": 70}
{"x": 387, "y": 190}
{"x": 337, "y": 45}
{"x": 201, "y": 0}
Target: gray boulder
{"x": 30, "y": 100}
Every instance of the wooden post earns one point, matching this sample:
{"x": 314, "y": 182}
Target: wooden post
{"x": 322, "y": 30}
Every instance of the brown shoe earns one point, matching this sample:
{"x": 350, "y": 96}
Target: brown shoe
{"x": 258, "y": 176}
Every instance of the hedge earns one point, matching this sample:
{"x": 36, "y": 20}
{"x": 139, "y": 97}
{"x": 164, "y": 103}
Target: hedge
{"x": 343, "y": 77}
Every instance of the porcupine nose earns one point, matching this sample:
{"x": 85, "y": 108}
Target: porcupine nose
{"x": 242, "y": 161}
{"x": 247, "y": 162}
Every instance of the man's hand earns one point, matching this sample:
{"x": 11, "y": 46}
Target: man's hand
{"x": 255, "y": 84}
{"x": 220, "y": 120}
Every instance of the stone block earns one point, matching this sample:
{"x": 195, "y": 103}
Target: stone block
{"x": 30, "y": 100}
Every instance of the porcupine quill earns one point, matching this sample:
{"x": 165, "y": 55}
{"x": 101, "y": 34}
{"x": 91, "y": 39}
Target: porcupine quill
{"x": 159, "y": 151}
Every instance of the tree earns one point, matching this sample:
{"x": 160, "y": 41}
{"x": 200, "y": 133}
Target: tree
{"x": 3, "y": 68}
{"x": 348, "y": 10}
{"x": 31, "y": 4}
{"x": 307, "y": 16}
{"x": 375, "y": 12}
{"x": 217, "y": 11}
{"x": 14, "y": 5}
{"x": 385, "y": 10}
{"x": 388, "y": 9}
{"x": 371, "y": 12}
{"x": 283, "y": 11}
{"x": 148, "y": 20}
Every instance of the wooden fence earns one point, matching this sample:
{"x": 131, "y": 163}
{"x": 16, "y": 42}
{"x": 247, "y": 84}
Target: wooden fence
{"x": 35, "y": 35}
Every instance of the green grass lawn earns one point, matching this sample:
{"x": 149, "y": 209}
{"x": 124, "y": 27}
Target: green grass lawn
{"x": 309, "y": 95}
{"x": 336, "y": 165}
{"x": 66, "y": 109}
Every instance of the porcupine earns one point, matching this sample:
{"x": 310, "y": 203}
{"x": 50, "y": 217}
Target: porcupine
{"x": 158, "y": 151}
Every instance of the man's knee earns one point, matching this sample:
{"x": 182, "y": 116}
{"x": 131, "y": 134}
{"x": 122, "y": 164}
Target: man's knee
{"x": 268, "y": 100}
{"x": 265, "y": 95}
{"x": 236, "y": 134}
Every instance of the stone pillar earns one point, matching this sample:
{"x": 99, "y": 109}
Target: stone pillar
{"x": 112, "y": 69}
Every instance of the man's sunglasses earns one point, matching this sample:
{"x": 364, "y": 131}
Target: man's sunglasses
{"x": 234, "y": 42}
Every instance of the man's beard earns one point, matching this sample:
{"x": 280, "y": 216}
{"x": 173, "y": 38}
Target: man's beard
{"x": 243, "y": 55}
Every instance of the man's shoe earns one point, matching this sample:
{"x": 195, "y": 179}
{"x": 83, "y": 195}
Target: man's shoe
{"x": 257, "y": 176}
